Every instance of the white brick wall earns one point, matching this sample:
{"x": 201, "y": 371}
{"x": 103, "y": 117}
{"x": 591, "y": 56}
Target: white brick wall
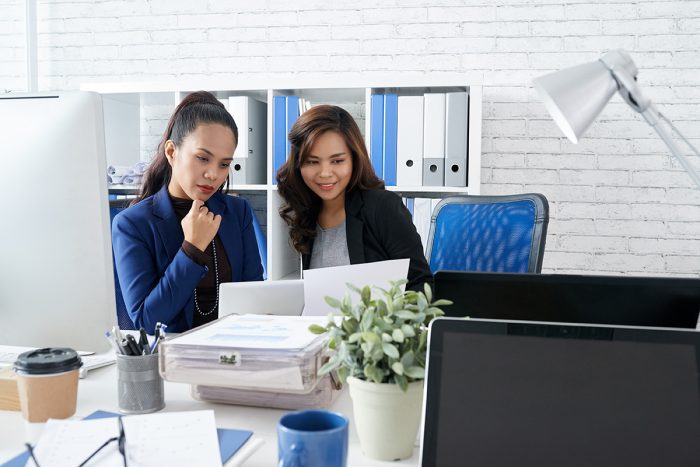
{"x": 620, "y": 204}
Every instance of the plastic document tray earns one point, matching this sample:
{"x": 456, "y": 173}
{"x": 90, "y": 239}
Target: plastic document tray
{"x": 256, "y": 352}
{"x": 321, "y": 396}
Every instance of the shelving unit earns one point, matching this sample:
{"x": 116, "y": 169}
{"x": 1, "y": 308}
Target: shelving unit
{"x": 136, "y": 115}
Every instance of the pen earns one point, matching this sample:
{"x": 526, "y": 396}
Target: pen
{"x": 143, "y": 341}
{"x": 133, "y": 345}
{"x": 117, "y": 333}
{"x": 113, "y": 343}
{"x": 125, "y": 347}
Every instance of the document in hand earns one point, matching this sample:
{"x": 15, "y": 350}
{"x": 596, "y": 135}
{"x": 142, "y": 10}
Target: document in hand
{"x": 322, "y": 282}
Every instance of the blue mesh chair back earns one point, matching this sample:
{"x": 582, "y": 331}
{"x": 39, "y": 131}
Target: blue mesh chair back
{"x": 123, "y": 319}
{"x": 488, "y": 233}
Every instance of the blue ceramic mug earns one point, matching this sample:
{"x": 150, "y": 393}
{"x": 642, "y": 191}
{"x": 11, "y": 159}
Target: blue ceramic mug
{"x": 312, "y": 438}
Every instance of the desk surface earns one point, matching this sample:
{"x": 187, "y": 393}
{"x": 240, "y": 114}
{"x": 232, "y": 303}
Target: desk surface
{"x": 99, "y": 392}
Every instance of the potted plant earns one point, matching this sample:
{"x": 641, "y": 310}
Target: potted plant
{"x": 380, "y": 346}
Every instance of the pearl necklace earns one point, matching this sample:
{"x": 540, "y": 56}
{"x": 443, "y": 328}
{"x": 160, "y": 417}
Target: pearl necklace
{"x": 216, "y": 275}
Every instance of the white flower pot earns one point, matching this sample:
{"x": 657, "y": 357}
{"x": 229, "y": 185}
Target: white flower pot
{"x": 386, "y": 418}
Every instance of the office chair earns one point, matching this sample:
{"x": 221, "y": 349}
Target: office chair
{"x": 123, "y": 318}
{"x": 488, "y": 233}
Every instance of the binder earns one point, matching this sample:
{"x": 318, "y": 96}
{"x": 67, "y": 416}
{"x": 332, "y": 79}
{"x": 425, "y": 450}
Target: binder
{"x": 391, "y": 103}
{"x": 422, "y": 210}
{"x": 434, "y": 139}
{"x": 377, "y": 134}
{"x": 456, "y": 138}
{"x": 292, "y": 115}
{"x": 279, "y": 134}
{"x": 409, "y": 144}
{"x": 248, "y": 165}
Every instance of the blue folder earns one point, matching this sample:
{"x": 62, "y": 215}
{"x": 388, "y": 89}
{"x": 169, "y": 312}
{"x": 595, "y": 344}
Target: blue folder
{"x": 279, "y": 134}
{"x": 230, "y": 441}
{"x": 376, "y": 149}
{"x": 391, "y": 119}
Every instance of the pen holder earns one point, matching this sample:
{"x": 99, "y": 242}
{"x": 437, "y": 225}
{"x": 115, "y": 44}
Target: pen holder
{"x": 140, "y": 385}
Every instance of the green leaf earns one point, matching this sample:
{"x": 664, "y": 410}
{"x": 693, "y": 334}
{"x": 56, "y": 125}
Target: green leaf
{"x": 397, "y": 367}
{"x": 353, "y": 287}
{"x": 366, "y": 295}
{"x": 386, "y": 337}
{"x": 405, "y": 314}
{"x": 407, "y": 330}
{"x": 357, "y": 312}
{"x": 332, "y": 302}
{"x": 343, "y": 374}
{"x": 428, "y": 292}
{"x": 441, "y": 302}
{"x": 330, "y": 365}
{"x": 407, "y": 359}
{"x": 434, "y": 311}
{"x": 402, "y": 381}
{"x": 390, "y": 350}
{"x": 367, "y": 319}
{"x": 316, "y": 329}
{"x": 415, "y": 372}
{"x": 369, "y": 336}
{"x": 354, "y": 337}
{"x": 422, "y": 302}
{"x": 397, "y": 335}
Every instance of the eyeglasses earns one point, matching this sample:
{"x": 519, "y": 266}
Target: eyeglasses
{"x": 121, "y": 443}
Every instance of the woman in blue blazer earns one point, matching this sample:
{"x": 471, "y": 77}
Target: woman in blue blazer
{"x": 184, "y": 236}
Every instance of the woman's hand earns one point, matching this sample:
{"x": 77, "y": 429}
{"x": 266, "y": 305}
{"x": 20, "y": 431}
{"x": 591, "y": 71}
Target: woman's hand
{"x": 200, "y": 225}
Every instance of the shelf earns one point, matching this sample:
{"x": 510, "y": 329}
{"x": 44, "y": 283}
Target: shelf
{"x": 136, "y": 115}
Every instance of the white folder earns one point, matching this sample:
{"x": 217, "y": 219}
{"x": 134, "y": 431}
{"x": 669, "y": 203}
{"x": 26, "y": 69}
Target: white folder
{"x": 434, "y": 139}
{"x": 409, "y": 146}
{"x": 456, "y": 131}
{"x": 250, "y": 115}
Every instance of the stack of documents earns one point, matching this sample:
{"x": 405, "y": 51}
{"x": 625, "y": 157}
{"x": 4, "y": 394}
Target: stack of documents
{"x": 258, "y": 352}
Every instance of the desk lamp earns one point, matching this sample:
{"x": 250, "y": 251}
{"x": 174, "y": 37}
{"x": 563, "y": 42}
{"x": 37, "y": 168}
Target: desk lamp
{"x": 575, "y": 96}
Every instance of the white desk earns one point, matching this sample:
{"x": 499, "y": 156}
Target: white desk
{"x": 99, "y": 392}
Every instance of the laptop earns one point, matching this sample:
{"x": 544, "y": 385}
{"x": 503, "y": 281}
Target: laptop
{"x": 505, "y": 393}
{"x": 262, "y": 298}
{"x": 623, "y": 300}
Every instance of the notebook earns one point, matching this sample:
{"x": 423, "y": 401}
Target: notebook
{"x": 284, "y": 297}
{"x": 504, "y": 393}
{"x": 623, "y": 300}
{"x": 230, "y": 442}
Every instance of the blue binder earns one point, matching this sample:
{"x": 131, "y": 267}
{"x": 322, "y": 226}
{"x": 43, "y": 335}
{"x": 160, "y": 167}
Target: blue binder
{"x": 391, "y": 117}
{"x": 376, "y": 150}
{"x": 292, "y": 115}
{"x": 279, "y": 134}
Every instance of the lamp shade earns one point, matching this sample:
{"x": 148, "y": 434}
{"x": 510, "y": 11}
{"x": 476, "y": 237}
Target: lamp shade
{"x": 575, "y": 96}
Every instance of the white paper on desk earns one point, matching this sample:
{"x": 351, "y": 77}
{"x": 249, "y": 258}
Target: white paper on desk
{"x": 173, "y": 439}
{"x": 331, "y": 282}
{"x": 269, "y": 332}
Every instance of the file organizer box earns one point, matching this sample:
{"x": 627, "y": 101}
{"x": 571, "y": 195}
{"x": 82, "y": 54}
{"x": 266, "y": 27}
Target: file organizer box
{"x": 321, "y": 396}
{"x": 228, "y": 353}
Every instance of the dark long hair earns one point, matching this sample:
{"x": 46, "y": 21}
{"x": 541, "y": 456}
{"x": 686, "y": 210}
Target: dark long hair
{"x": 195, "y": 109}
{"x": 302, "y": 206}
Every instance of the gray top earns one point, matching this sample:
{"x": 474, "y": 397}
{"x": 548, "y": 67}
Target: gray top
{"x": 330, "y": 247}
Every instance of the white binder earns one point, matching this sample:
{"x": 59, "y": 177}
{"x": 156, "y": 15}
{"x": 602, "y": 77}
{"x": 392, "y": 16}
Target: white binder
{"x": 409, "y": 146}
{"x": 456, "y": 134}
{"x": 434, "y": 139}
{"x": 248, "y": 165}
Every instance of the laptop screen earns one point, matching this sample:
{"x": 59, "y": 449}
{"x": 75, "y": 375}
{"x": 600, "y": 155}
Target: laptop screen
{"x": 569, "y": 298}
{"x": 537, "y": 394}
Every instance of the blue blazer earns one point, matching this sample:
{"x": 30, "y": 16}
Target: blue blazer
{"x": 156, "y": 277}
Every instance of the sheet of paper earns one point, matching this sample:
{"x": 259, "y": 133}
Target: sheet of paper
{"x": 322, "y": 282}
{"x": 91, "y": 360}
{"x": 254, "y": 332}
{"x": 173, "y": 439}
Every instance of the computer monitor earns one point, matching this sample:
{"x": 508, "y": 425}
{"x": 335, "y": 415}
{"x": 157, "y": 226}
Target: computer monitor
{"x": 623, "y": 300}
{"x": 56, "y": 279}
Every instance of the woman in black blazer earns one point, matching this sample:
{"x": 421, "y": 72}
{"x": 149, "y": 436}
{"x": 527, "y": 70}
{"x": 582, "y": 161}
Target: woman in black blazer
{"x": 336, "y": 207}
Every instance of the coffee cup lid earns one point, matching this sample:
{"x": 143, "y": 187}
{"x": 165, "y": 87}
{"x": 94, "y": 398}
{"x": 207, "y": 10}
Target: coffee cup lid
{"x": 47, "y": 360}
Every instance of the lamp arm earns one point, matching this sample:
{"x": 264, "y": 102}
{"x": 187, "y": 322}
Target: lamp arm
{"x": 653, "y": 118}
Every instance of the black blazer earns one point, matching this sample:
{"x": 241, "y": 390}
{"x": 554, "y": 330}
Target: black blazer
{"x": 379, "y": 227}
